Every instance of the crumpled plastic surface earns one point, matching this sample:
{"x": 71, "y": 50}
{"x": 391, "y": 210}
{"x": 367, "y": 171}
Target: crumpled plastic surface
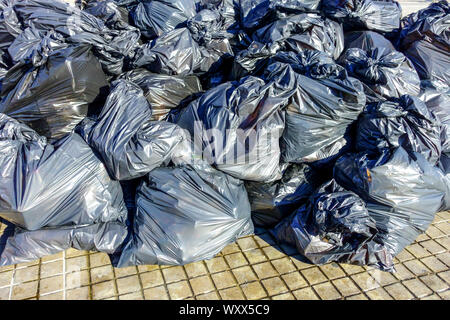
{"x": 425, "y": 40}
{"x": 53, "y": 185}
{"x": 129, "y": 143}
{"x": 271, "y": 202}
{"x": 164, "y": 93}
{"x": 334, "y": 225}
{"x": 186, "y": 214}
{"x": 53, "y": 97}
{"x": 380, "y": 15}
{"x": 244, "y": 116}
{"x": 10, "y": 26}
{"x": 326, "y": 101}
{"x": 402, "y": 192}
{"x": 404, "y": 122}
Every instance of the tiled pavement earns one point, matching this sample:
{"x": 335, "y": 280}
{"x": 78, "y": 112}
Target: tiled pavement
{"x": 253, "y": 268}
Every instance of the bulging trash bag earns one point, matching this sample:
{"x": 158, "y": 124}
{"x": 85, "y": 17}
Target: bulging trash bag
{"x": 439, "y": 104}
{"x": 236, "y": 126}
{"x": 271, "y": 202}
{"x": 173, "y": 53}
{"x": 403, "y": 192}
{"x": 253, "y": 60}
{"x": 366, "y": 40}
{"x": 156, "y": 17}
{"x": 303, "y": 31}
{"x": 164, "y": 92}
{"x": 334, "y": 225}
{"x": 379, "y": 15}
{"x": 34, "y": 47}
{"x": 10, "y": 26}
{"x": 114, "y": 16}
{"x": 112, "y": 47}
{"x": 26, "y": 246}
{"x": 425, "y": 40}
{"x": 404, "y": 122}
{"x": 257, "y": 13}
{"x": 186, "y": 214}
{"x": 129, "y": 143}
{"x": 386, "y": 72}
{"x": 53, "y": 185}
{"x": 325, "y": 103}
{"x": 53, "y": 97}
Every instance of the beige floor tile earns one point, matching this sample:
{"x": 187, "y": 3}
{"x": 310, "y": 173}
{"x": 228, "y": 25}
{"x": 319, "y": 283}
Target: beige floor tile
{"x": 351, "y": 268}
{"x": 417, "y": 288}
{"x": 231, "y": 248}
{"x": 378, "y": 294}
{"x": 157, "y": 293}
{"x": 434, "y": 264}
{"x": 244, "y": 274}
{"x": 445, "y": 276}
{"x": 432, "y": 297}
{"x": 255, "y": 256}
{"x": 357, "y": 297}
{"x": 26, "y": 274}
{"x": 81, "y": 293}
{"x": 433, "y": 247}
{"x": 196, "y": 269}
{"x": 417, "y": 267}
{"x": 202, "y": 284}
{"x": 365, "y": 281}
{"x": 77, "y": 263}
{"x": 284, "y": 296}
{"x": 274, "y": 286}
{"x": 445, "y": 295}
{"x": 236, "y": 260}
{"x": 332, "y": 271}
{"x": 326, "y": 291}
{"x": 434, "y": 282}
{"x": 77, "y": 279}
{"x": 179, "y": 290}
{"x": 444, "y": 257}
{"x": 52, "y": 296}
{"x": 52, "y": 257}
{"x": 313, "y": 275}
{"x": 346, "y": 286}
{"x": 223, "y": 280}
{"x": 103, "y": 290}
{"x": 100, "y": 274}
{"x": 264, "y": 270}
{"x": 124, "y": 272}
{"x": 402, "y": 273}
{"x": 132, "y": 296}
{"x": 51, "y": 268}
{"x": 208, "y": 296}
{"x": 398, "y": 292}
{"x": 305, "y": 294}
{"x": 151, "y": 279}
{"x": 128, "y": 284}
{"x": 264, "y": 240}
{"x": 404, "y": 255}
{"x": 231, "y": 294}
{"x": 5, "y": 278}
{"x": 4, "y": 293}
{"x": 99, "y": 259}
{"x": 216, "y": 264}
{"x": 247, "y": 243}
{"x": 24, "y": 290}
{"x": 284, "y": 265}
{"x": 294, "y": 280}
{"x": 253, "y": 290}
{"x": 51, "y": 284}
{"x": 147, "y": 268}
{"x": 273, "y": 252}
{"x": 382, "y": 278}
{"x": 418, "y": 251}
{"x": 75, "y": 253}
{"x": 174, "y": 274}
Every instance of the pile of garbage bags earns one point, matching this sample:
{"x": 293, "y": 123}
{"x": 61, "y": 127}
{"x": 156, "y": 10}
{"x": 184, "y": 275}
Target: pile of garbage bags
{"x": 160, "y": 131}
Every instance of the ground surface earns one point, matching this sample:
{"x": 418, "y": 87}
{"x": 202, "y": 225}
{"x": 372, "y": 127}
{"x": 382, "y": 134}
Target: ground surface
{"x": 253, "y": 268}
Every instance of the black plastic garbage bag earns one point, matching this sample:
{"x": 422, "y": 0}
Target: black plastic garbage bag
{"x": 325, "y": 103}
{"x": 26, "y": 246}
{"x": 271, "y": 202}
{"x": 303, "y": 31}
{"x": 163, "y": 92}
{"x": 366, "y": 40}
{"x": 114, "y": 16}
{"x": 439, "y": 104}
{"x": 156, "y": 17}
{"x": 35, "y": 47}
{"x": 378, "y": 15}
{"x": 425, "y": 40}
{"x": 257, "y": 13}
{"x": 5, "y": 64}
{"x": 53, "y": 185}
{"x": 112, "y": 47}
{"x": 10, "y": 26}
{"x": 253, "y": 60}
{"x": 385, "y": 71}
{"x": 403, "y": 192}
{"x": 173, "y": 53}
{"x": 186, "y": 214}
{"x": 334, "y": 225}
{"x": 236, "y": 126}
{"x": 129, "y": 143}
{"x": 404, "y": 122}
{"x": 53, "y": 98}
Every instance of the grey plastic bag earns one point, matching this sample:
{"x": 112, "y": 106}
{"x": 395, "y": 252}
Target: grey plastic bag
{"x": 129, "y": 143}
{"x": 54, "y": 96}
{"x": 403, "y": 192}
{"x": 53, "y": 185}
{"x": 10, "y": 26}
{"x": 164, "y": 92}
{"x": 334, "y": 225}
{"x": 186, "y": 214}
